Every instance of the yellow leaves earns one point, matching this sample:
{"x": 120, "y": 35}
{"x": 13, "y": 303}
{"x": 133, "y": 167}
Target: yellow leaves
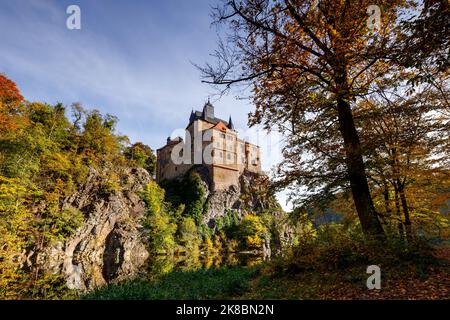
{"x": 15, "y": 229}
{"x": 208, "y": 245}
{"x": 252, "y": 231}
{"x": 10, "y": 187}
{"x": 254, "y": 241}
{"x": 154, "y": 197}
{"x": 59, "y": 162}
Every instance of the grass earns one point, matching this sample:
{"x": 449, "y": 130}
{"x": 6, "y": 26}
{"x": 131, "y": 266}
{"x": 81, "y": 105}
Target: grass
{"x": 223, "y": 283}
{"x": 332, "y": 269}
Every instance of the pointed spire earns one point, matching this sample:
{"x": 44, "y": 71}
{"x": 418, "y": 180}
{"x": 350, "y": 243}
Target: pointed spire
{"x": 230, "y": 124}
{"x": 191, "y": 118}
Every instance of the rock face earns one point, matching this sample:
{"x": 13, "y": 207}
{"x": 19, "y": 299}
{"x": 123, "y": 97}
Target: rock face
{"x": 251, "y": 195}
{"x": 218, "y": 202}
{"x": 110, "y": 244}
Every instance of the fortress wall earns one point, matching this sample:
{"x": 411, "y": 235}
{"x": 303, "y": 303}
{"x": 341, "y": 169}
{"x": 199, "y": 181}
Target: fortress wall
{"x": 253, "y": 158}
{"x": 167, "y": 170}
{"x": 223, "y": 178}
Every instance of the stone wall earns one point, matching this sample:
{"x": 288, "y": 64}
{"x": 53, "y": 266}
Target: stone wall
{"x": 224, "y": 177}
{"x": 166, "y": 168}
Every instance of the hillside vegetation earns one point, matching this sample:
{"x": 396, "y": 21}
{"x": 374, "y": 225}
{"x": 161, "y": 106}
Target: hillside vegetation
{"x": 59, "y": 167}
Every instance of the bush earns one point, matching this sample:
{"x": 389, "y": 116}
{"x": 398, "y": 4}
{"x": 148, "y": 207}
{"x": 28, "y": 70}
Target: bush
{"x": 188, "y": 235}
{"x": 190, "y": 192}
{"x": 142, "y": 156}
{"x": 336, "y": 247}
{"x": 252, "y": 231}
{"x": 153, "y": 196}
{"x": 158, "y": 221}
{"x": 228, "y": 224}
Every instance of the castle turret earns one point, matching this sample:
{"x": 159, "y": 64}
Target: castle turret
{"x": 208, "y": 111}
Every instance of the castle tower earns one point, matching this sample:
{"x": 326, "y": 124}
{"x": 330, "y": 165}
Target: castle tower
{"x": 208, "y": 112}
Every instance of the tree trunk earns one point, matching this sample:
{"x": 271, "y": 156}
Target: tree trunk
{"x": 356, "y": 172}
{"x": 387, "y": 206}
{"x": 399, "y": 215}
{"x": 408, "y": 230}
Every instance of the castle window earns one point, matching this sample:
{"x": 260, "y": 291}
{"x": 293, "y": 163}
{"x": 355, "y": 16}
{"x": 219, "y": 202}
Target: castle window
{"x": 230, "y": 138}
{"x": 221, "y": 154}
{"x": 222, "y": 135}
{"x": 229, "y": 156}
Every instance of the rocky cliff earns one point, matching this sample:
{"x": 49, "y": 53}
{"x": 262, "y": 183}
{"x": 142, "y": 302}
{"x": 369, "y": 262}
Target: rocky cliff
{"x": 253, "y": 194}
{"x": 110, "y": 245}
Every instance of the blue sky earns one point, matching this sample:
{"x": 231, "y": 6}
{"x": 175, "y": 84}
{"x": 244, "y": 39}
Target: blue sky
{"x": 131, "y": 59}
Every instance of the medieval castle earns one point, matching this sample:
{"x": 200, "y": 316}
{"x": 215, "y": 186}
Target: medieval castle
{"x": 213, "y": 144}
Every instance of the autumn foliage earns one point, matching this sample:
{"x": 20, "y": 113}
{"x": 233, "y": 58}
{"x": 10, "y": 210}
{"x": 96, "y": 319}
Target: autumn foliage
{"x": 10, "y": 101}
{"x": 44, "y": 157}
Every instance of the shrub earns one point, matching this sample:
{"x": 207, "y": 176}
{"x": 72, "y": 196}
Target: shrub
{"x": 252, "y": 231}
{"x": 188, "y": 234}
{"x": 153, "y": 196}
{"x": 228, "y": 223}
{"x": 190, "y": 192}
{"x": 142, "y": 156}
{"x": 336, "y": 247}
{"x": 158, "y": 221}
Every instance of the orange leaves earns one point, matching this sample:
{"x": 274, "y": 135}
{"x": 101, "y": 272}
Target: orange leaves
{"x": 6, "y": 124}
{"x": 9, "y": 93}
{"x": 10, "y": 100}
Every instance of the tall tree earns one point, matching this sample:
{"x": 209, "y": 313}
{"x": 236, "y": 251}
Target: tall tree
{"x": 405, "y": 137}
{"x": 324, "y": 49}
